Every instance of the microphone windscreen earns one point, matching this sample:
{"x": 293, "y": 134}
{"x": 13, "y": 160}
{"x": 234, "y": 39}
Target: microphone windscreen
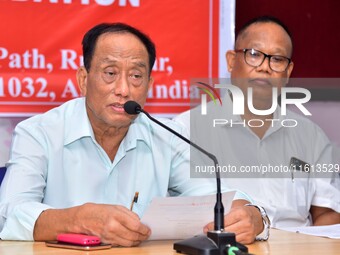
{"x": 132, "y": 107}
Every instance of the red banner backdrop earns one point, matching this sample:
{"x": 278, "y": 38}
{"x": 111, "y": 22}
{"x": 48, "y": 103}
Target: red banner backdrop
{"x": 40, "y": 48}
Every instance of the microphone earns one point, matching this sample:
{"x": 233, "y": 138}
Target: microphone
{"x": 199, "y": 244}
{"x": 132, "y": 107}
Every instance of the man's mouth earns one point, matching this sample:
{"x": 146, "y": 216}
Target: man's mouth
{"x": 117, "y": 107}
{"x": 260, "y": 82}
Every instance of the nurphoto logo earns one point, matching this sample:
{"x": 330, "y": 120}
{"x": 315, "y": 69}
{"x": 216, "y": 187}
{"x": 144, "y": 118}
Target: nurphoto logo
{"x": 238, "y": 104}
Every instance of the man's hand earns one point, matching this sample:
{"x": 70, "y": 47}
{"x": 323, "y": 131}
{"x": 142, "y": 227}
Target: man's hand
{"x": 245, "y": 221}
{"x": 112, "y": 223}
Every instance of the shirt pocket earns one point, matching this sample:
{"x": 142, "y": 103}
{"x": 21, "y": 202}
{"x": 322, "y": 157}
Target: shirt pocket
{"x": 140, "y": 206}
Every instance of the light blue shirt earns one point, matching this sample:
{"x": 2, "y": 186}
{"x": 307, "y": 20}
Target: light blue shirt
{"x": 56, "y": 162}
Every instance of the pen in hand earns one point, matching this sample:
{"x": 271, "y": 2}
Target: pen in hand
{"x": 134, "y": 200}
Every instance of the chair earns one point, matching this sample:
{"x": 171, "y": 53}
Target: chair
{"x": 2, "y": 173}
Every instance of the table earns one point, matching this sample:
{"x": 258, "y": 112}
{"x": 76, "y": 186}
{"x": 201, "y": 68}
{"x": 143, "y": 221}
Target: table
{"x": 280, "y": 242}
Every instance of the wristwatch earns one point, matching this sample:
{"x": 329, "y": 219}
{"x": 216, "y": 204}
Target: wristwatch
{"x": 264, "y": 235}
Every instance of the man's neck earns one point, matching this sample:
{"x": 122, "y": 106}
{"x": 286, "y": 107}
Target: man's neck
{"x": 110, "y": 139}
{"x": 258, "y": 130}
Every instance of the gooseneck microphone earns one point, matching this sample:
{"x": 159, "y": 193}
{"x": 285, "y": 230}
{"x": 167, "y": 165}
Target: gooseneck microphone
{"x": 132, "y": 107}
{"x": 217, "y": 241}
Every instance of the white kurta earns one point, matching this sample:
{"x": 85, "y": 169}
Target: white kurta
{"x": 285, "y": 195}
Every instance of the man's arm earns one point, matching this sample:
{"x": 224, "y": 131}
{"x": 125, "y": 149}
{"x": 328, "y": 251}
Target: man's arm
{"x": 113, "y": 224}
{"x": 245, "y": 221}
{"x": 324, "y": 216}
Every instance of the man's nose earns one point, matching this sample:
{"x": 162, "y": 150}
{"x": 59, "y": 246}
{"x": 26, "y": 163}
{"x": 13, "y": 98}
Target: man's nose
{"x": 265, "y": 66}
{"x": 122, "y": 86}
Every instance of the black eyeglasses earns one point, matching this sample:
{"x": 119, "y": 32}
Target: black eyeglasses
{"x": 255, "y": 58}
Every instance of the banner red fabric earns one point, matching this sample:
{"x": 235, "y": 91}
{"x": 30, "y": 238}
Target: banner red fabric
{"x": 40, "y": 48}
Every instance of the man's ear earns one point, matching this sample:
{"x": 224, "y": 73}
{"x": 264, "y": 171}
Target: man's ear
{"x": 230, "y": 56}
{"x": 82, "y": 80}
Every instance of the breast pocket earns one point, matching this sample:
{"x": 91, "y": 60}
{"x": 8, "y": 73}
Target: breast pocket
{"x": 140, "y": 206}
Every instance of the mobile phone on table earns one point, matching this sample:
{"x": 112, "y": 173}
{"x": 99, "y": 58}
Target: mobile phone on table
{"x": 58, "y": 244}
{"x": 78, "y": 239}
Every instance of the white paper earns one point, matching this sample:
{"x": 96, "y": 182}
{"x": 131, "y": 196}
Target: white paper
{"x": 331, "y": 231}
{"x": 182, "y": 217}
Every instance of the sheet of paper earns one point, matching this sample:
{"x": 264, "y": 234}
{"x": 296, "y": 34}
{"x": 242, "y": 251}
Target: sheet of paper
{"x": 331, "y": 231}
{"x": 182, "y": 217}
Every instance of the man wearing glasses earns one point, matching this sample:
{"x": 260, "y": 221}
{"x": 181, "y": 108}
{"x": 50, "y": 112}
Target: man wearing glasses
{"x": 251, "y": 143}
{"x": 255, "y": 58}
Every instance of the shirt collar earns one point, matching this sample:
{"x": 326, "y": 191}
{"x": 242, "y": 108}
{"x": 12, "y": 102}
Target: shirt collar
{"x": 140, "y": 129}
{"x": 77, "y": 126}
{"x": 227, "y": 105}
{"x": 77, "y": 123}
{"x": 278, "y": 117}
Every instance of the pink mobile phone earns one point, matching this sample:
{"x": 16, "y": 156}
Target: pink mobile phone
{"x": 79, "y": 239}
{"x": 57, "y": 244}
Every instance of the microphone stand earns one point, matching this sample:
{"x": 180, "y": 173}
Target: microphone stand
{"x": 217, "y": 241}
